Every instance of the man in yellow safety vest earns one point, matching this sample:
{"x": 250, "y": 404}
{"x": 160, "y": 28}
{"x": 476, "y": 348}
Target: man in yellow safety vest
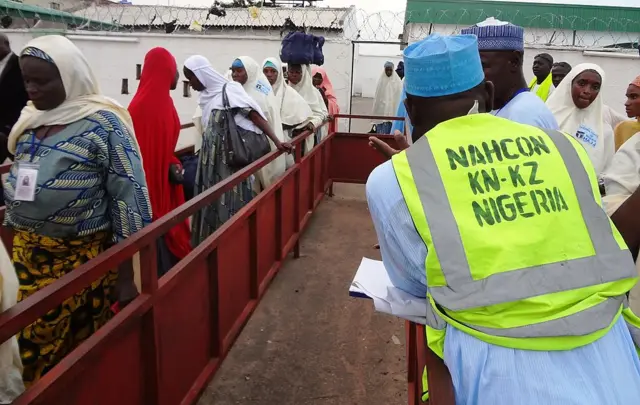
{"x": 500, "y": 226}
{"x": 542, "y": 83}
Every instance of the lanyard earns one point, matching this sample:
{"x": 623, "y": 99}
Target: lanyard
{"x": 35, "y": 147}
{"x": 516, "y": 94}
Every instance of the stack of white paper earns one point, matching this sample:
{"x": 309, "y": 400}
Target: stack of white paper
{"x": 372, "y": 280}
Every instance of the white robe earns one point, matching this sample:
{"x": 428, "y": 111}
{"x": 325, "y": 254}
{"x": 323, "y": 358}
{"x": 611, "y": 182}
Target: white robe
{"x": 257, "y": 87}
{"x": 294, "y": 110}
{"x": 210, "y": 97}
{"x": 387, "y": 96}
{"x": 314, "y": 99}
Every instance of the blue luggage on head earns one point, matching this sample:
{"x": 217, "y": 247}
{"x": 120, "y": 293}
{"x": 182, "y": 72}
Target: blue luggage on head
{"x": 299, "y": 48}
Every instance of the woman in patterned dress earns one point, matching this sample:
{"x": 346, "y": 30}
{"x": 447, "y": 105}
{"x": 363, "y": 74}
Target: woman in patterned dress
{"x": 212, "y": 166}
{"x": 88, "y": 191}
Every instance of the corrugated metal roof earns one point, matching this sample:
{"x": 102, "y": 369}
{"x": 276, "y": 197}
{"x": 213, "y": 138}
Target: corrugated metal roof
{"x": 528, "y": 15}
{"x": 135, "y": 15}
{"x": 19, "y": 10}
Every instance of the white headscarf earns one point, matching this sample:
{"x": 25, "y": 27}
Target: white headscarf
{"x": 294, "y": 110}
{"x": 313, "y": 98}
{"x": 211, "y": 97}
{"x": 590, "y": 121}
{"x": 257, "y": 87}
{"x": 83, "y": 95}
{"x": 311, "y": 95}
{"x": 387, "y": 95}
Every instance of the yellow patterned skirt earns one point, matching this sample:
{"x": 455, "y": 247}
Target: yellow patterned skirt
{"x": 40, "y": 261}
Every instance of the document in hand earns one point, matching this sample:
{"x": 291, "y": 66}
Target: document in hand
{"x": 372, "y": 281}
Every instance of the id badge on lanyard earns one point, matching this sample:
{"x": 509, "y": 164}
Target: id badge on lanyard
{"x": 26, "y": 181}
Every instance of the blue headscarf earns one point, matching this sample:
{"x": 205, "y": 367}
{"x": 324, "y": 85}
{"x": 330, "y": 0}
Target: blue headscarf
{"x": 237, "y": 64}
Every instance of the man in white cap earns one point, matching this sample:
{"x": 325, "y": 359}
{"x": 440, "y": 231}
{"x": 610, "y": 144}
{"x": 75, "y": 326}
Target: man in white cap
{"x": 499, "y": 225}
{"x": 501, "y": 46}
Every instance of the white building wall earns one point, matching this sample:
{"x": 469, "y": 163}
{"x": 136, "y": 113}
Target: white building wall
{"x": 114, "y": 57}
{"x": 368, "y": 70}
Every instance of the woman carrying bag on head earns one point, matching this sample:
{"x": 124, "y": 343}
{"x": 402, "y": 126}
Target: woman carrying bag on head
{"x": 301, "y": 80}
{"x": 215, "y": 162}
{"x": 295, "y": 112}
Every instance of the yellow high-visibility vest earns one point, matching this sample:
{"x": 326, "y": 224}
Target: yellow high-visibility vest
{"x": 520, "y": 252}
{"x": 544, "y": 89}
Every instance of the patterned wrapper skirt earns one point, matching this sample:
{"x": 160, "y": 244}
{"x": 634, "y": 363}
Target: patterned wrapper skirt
{"x": 40, "y": 261}
{"x": 212, "y": 169}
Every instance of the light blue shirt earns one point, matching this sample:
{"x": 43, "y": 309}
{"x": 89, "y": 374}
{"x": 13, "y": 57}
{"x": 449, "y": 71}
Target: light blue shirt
{"x": 606, "y": 371}
{"x": 527, "y": 108}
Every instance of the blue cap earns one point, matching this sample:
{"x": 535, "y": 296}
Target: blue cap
{"x": 506, "y": 37}
{"x": 442, "y": 65}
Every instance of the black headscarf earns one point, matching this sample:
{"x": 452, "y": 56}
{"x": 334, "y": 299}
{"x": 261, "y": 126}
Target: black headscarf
{"x": 400, "y": 69}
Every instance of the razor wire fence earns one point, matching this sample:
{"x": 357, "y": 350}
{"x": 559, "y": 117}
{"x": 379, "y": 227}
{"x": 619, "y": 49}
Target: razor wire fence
{"x": 339, "y": 24}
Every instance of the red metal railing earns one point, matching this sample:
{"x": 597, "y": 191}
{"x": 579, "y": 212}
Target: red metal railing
{"x": 164, "y": 346}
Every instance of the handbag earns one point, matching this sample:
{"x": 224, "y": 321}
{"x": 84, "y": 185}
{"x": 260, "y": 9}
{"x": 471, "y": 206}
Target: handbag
{"x": 176, "y": 174}
{"x": 190, "y": 168}
{"x": 243, "y": 147}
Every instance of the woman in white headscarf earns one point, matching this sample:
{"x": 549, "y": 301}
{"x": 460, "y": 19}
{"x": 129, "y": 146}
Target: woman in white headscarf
{"x": 577, "y": 106}
{"x": 295, "y": 112}
{"x": 301, "y": 80}
{"x": 212, "y": 165}
{"x": 387, "y": 98}
{"x": 247, "y": 72}
{"x": 77, "y": 186}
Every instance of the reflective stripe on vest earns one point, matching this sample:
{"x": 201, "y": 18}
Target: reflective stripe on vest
{"x": 610, "y": 262}
{"x": 513, "y": 285}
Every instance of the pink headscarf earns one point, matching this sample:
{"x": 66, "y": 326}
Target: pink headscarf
{"x": 333, "y": 106}
{"x": 636, "y": 81}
